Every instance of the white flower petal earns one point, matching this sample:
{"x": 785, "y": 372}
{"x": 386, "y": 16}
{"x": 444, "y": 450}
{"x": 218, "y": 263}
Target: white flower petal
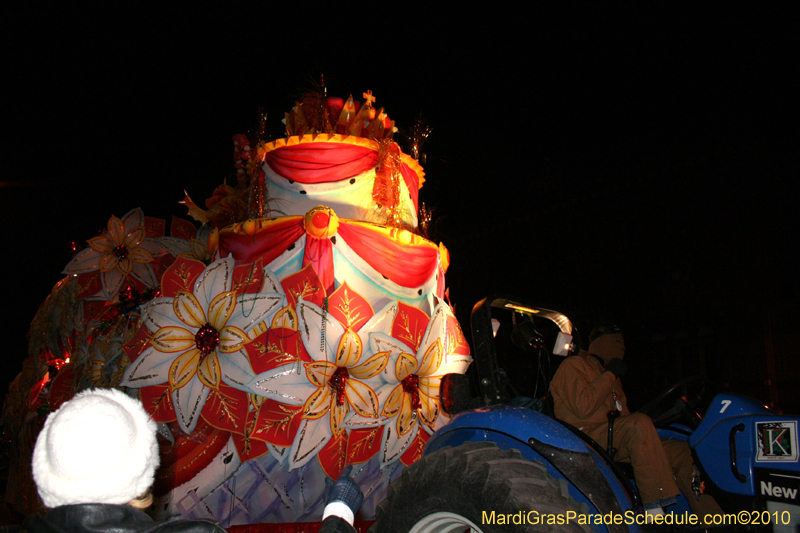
{"x": 116, "y": 231}
{"x": 134, "y": 237}
{"x": 456, "y": 364}
{"x": 150, "y": 368}
{"x": 380, "y": 322}
{"x": 311, "y": 437}
{"x": 362, "y": 398}
{"x": 144, "y": 272}
{"x": 252, "y": 309}
{"x": 154, "y": 247}
{"x": 112, "y": 281}
{"x": 236, "y": 370}
{"x": 394, "y": 445}
{"x": 231, "y": 339}
{"x": 174, "y": 245}
{"x": 86, "y": 260}
{"x": 188, "y": 401}
{"x": 133, "y": 218}
{"x": 187, "y": 309}
{"x": 158, "y": 313}
{"x": 283, "y": 384}
{"x": 214, "y": 280}
{"x": 356, "y": 421}
{"x": 381, "y": 342}
{"x": 271, "y": 282}
{"x": 436, "y": 330}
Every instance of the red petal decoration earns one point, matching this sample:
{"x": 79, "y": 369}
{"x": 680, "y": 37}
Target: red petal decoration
{"x": 248, "y": 278}
{"x": 90, "y": 284}
{"x": 350, "y": 308}
{"x": 275, "y": 423}
{"x": 182, "y": 229}
{"x": 414, "y": 451}
{"x": 226, "y": 409}
{"x": 303, "y": 284}
{"x": 363, "y": 444}
{"x": 93, "y": 309}
{"x": 138, "y": 343}
{"x": 35, "y": 401}
{"x": 333, "y": 456}
{"x": 62, "y": 389}
{"x": 157, "y": 401}
{"x": 455, "y": 342}
{"x": 180, "y": 277}
{"x": 153, "y": 227}
{"x": 188, "y": 456}
{"x": 161, "y": 265}
{"x": 276, "y": 347}
{"x": 409, "y": 326}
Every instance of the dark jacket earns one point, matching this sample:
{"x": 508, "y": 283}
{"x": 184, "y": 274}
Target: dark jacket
{"x": 106, "y": 518}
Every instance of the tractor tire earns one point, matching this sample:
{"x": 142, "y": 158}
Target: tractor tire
{"x": 450, "y": 489}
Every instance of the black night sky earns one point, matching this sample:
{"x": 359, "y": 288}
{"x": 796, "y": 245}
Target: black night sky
{"x": 627, "y": 163}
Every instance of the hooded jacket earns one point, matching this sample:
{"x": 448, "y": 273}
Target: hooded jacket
{"x": 583, "y": 392}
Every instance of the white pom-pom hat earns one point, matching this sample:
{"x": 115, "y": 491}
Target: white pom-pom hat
{"x": 99, "y": 447}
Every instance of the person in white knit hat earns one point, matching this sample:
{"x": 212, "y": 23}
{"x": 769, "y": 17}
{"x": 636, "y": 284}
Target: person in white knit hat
{"x": 100, "y": 447}
{"x": 94, "y": 463}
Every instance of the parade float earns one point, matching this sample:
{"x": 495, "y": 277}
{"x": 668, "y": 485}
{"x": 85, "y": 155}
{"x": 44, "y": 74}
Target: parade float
{"x": 301, "y": 328}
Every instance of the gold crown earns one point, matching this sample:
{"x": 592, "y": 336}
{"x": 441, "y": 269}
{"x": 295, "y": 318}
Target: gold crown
{"x": 317, "y": 114}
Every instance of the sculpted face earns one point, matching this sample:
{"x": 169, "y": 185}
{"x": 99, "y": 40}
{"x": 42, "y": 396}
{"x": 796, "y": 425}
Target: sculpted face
{"x": 608, "y": 347}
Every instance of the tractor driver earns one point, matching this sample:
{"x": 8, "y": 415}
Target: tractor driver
{"x": 587, "y": 386}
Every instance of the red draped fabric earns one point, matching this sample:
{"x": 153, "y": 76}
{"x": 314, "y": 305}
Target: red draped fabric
{"x": 321, "y": 162}
{"x": 325, "y": 162}
{"x": 319, "y": 253}
{"x": 408, "y": 265}
{"x": 268, "y": 243}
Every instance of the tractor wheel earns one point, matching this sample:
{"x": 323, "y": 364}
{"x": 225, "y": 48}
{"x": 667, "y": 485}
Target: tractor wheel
{"x": 457, "y": 489}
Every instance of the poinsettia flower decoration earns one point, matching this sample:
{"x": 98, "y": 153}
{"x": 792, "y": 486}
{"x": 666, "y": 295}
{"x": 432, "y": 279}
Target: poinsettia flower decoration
{"x": 335, "y": 337}
{"x": 195, "y": 334}
{"x": 122, "y": 250}
{"x": 420, "y": 351}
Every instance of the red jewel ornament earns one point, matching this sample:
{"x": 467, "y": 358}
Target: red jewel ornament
{"x": 321, "y": 220}
{"x": 207, "y": 339}
{"x": 337, "y": 382}
{"x": 128, "y": 295}
{"x": 121, "y": 251}
{"x": 411, "y": 385}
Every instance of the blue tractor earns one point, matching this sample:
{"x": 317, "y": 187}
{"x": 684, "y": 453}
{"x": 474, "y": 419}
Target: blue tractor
{"x": 504, "y": 467}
